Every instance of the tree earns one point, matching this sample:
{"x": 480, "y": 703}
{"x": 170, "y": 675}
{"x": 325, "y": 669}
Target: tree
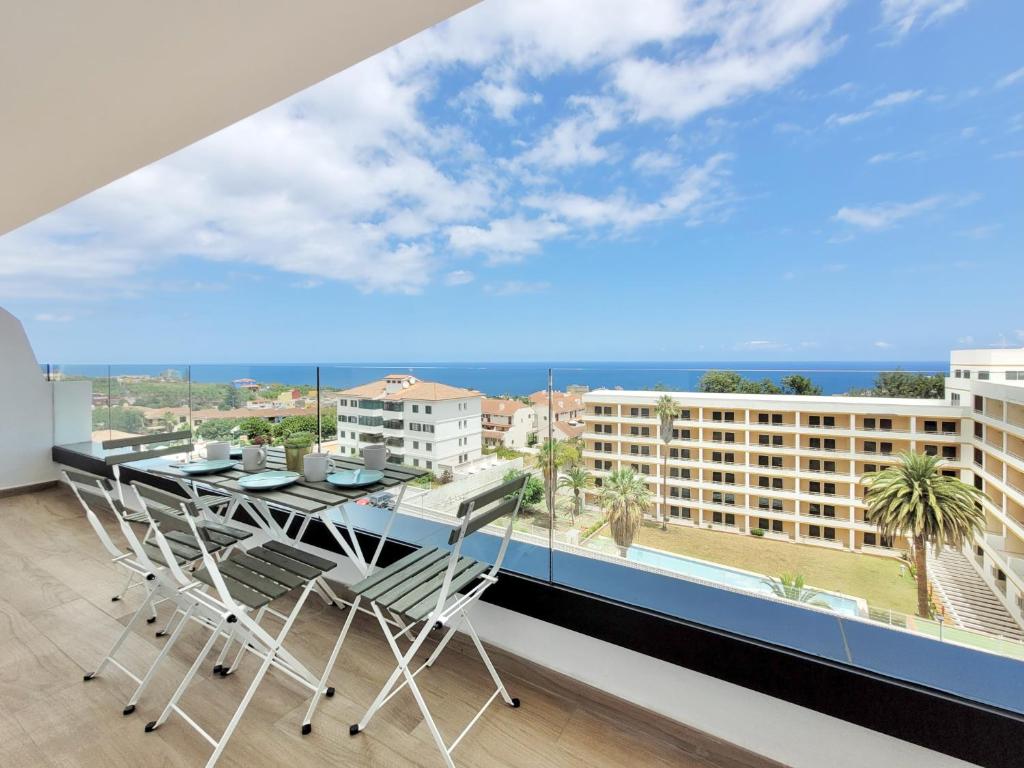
{"x": 719, "y": 381}
{"x": 667, "y": 410}
{"x": 731, "y": 381}
{"x": 254, "y": 426}
{"x": 900, "y": 383}
{"x": 534, "y": 492}
{"x": 577, "y": 479}
{"x": 798, "y": 384}
{"x": 790, "y": 586}
{"x": 218, "y": 429}
{"x": 552, "y": 455}
{"x": 328, "y": 422}
{"x": 624, "y": 497}
{"x": 232, "y": 400}
{"x": 913, "y": 498}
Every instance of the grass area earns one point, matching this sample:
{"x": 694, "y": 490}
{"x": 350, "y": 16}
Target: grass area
{"x": 876, "y": 579}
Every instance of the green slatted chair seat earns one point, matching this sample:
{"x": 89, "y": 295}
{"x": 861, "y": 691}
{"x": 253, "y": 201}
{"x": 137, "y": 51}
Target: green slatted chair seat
{"x": 411, "y": 586}
{"x": 157, "y": 556}
{"x": 282, "y": 561}
{"x": 240, "y": 592}
{"x": 238, "y": 534}
{"x": 268, "y": 570}
{"x": 182, "y": 543}
{"x": 302, "y": 556}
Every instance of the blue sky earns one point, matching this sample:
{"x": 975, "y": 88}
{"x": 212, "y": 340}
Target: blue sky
{"x": 773, "y": 180}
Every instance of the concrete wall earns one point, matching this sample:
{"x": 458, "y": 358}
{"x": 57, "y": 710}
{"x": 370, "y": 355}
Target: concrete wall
{"x": 26, "y": 411}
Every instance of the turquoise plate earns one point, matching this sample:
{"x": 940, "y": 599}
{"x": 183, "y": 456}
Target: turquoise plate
{"x": 265, "y": 481}
{"x": 355, "y": 478}
{"x": 206, "y": 467}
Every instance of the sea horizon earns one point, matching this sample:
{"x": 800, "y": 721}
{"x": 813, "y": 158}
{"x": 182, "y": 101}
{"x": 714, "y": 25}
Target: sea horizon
{"x": 522, "y": 378}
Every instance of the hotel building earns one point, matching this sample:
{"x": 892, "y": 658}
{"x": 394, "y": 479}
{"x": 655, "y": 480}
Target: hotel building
{"x": 791, "y": 465}
{"x": 424, "y": 423}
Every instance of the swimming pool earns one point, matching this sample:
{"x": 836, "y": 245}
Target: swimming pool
{"x": 718, "y": 574}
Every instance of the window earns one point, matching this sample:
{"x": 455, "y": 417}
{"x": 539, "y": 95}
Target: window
{"x": 430, "y": 464}
{"x": 870, "y": 446}
{"x": 870, "y": 538}
{"x": 777, "y": 526}
{"x": 885, "y": 424}
{"x": 429, "y": 409}
{"x": 886, "y": 447}
{"x": 830, "y": 534}
{"x": 762, "y": 418}
{"x": 415, "y": 462}
{"x": 415, "y": 409}
{"x": 870, "y": 467}
{"x": 762, "y": 523}
{"x": 979, "y": 403}
{"x": 602, "y": 410}
{"x": 680, "y": 473}
{"x": 814, "y": 531}
{"x": 949, "y": 427}
{"x": 685, "y": 414}
{"x": 983, "y": 375}
{"x": 931, "y": 450}
{"x": 428, "y": 446}
{"x": 679, "y": 453}
{"x": 1015, "y": 375}
{"x": 869, "y": 423}
{"x": 680, "y": 434}
{"x": 931, "y": 426}
{"x": 683, "y": 513}
{"x": 954, "y": 398}
{"x": 957, "y": 373}
{"x": 416, "y": 445}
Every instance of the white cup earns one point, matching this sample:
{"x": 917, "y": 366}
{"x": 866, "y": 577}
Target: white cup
{"x": 254, "y": 458}
{"x": 375, "y": 456}
{"x": 316, "y": 466}
{"x": 218, "y": 451}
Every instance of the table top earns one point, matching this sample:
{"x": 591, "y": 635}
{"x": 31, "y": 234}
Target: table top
{"x": 301, "y": 495}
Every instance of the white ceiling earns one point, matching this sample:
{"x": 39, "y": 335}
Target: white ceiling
{"x": 90, "y": 91}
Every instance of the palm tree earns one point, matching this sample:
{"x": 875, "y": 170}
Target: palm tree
{"x": 790, "y": 586}
{"x": 666, "y": 409}
{"x": 914, "y": 499}
{"x": 577, "y": 479}
{"x": 624, "y": 497}
{"x": 551, "y": 455}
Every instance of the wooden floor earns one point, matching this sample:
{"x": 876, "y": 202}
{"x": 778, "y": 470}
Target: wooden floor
{"x": 57, "y": 620}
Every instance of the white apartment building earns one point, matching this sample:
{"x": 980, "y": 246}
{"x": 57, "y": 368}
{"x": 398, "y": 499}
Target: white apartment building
{"x": 424, "y": 423}
{"x": 507, "y": 422}
{"x": 791, "y": 465}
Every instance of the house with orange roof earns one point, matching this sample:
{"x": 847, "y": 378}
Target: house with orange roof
{"x": 507, "y": 422}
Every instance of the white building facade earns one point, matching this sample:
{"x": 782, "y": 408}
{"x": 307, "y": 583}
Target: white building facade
{"x": 424, "y": 424}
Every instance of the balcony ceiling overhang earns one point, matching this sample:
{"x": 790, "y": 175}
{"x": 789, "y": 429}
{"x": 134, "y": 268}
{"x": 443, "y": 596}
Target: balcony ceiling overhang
{"x": 91, "y": 91}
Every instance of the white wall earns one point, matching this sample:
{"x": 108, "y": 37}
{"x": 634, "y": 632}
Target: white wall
{"x": 26, "y": 411}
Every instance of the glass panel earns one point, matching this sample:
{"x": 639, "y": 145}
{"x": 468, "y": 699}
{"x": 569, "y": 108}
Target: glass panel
{"x": 467, "y": 427}
{"x": 148, "y": 399}
{"x": 715, "y": 514}
{"x": 244, "y": 404}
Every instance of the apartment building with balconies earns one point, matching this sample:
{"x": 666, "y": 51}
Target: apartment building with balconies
{"x": 507, "y": 422}
{"x": 791, "y": 466}
{"x": 424, "y": 423}
{"x": 988, "y": 384}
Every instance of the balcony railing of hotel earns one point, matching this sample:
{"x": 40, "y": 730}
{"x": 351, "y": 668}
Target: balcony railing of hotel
{"x": 709, "y": 574}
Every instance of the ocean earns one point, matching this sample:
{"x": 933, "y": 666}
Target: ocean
{"x": 523, "y": 378}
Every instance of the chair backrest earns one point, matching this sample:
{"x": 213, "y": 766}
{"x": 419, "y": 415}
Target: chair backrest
{"x": 137, "y": 443}
{"x": 493, "y": 504}
{"x": 83, "y": 481}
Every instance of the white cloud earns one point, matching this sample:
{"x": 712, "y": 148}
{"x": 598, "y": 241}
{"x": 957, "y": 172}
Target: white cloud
{"x": 834, "y": 268}
{"x": 754, "y": 47}
{"x": 1013, "y": 154}
{"x": 885, "y": 215}
{"x": 893, "y": 157}
{"x": 980, "y": 232}
{"x": 367, "y": 179}
{"x": 696, "y": 193}
{"x": 654, "y": 162}
{"x": 885, "y": 102}
{"x": 901, "y": 16}
{"x": 883, "y": 344}
{"x": 573, "y": 140}
{"x": 458, "y": 277}
{"x": 505, "y": 239}
{"x": 1011, "y": 78}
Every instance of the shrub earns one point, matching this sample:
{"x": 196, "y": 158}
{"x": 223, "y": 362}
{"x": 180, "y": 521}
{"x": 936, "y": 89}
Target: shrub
{"x": 757, "y": 532}
{"x": 299, "y": 440}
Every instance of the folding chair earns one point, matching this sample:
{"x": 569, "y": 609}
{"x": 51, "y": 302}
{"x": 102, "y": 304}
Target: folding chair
{"x": 144, "y": 560}
{"x": 242, "y": 588}
{"x": 423, "y": 590}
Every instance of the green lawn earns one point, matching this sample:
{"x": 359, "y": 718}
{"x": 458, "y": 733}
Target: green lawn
{"x": 875, "y": 579}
